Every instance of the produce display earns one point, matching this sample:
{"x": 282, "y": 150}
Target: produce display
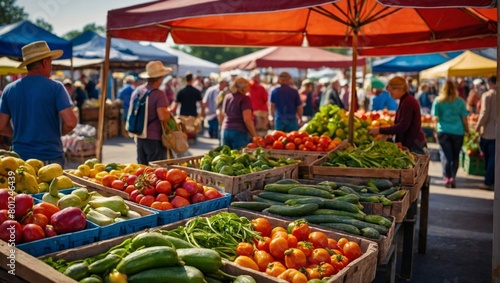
{"x": 333, "y": 205}
{"x": 471, "y": 144}
{"x": 30, "y": 222}
{"x": 225, "y": 161}
{"x": 377, "y": 154}
{"x": 295, "y": 140}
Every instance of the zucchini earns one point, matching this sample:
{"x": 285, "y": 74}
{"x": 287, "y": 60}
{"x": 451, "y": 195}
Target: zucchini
{"x": 317, "y": 201}
{"x": 150, "y": 239}
{"x": 148, "y": 258}
{"x": 206, "y": 260}
{"x": 381, "y": 184}
{"x": 107, "y": 263}
{"x": 343, "y": 227}
{"x": 177, "y": 274}
{"x": 356, "y": 188}
{"x": 280, "y": 188}
{"x": 308, "y": 191}
{"x": 341, "y": 205}
{"x": 378, "y": 219}
{"x": 261, "y": 199}
{"x": 398, "y": 195}
{"x": 385, "y": 201}
{"x": 389, "y": 191}
{"x": 279, "y": 196}
{"x": 352, "y": 198}
{"x": 372, "y": 189}
{"x": 323, "y": 211}
{"x": 318, "y": 219}
{"x": 251, "y": 205}
{"x": 370, "y": 233}
{"x": 287, "y": 181}
{"x": 77, "y": 271}
{"x": 340, "y": 193}
{"x": 91, "y": 279}
{"x": 348, "y": 190}
{"x": 178, "y": 243}
{"x": 293, "y": 210}
{"x": 331, "y": 184}
{"x": 372, "y": 198}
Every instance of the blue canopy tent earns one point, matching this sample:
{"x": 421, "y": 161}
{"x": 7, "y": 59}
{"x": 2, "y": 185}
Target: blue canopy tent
{"x": 90, "y": 45}
{"x": 411, "y": 63}
{"x": 14, "y": 36}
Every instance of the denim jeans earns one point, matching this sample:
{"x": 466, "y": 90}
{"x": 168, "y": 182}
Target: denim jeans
{"x": 213, "y": 128}
{"x": 488, "y": 149}
{"x": 286, "y": 125}
{"x": 59, "y": 160}
{"x": 235, "y": 139}
{"x": 451, "y": 145}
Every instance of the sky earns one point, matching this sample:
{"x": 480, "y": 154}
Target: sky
{"x": 67, "y": 15}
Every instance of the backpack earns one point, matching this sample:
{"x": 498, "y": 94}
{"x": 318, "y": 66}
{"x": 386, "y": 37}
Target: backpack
{"x": 137, "y": 114}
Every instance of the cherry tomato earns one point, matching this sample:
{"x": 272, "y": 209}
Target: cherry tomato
{"x": 295, "y": 258}
{"x": 275, "y": 268}
{"x": 244, "y": 248}
{"x": 318, "y": 239}
{"x": 246, "y": 261}
{"x": 262, "y": 226}
{"x": 277, "y": 247}
{"x": 352, "y": 250}
{"x": 36, "y": 218}
{"x": 263, "y": 259}
{"x": 164, "y": 187}
{"x": 32, "y": 232}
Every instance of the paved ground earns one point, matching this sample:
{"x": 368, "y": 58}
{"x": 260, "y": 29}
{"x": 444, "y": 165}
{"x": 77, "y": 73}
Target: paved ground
{"x": 460, "y": 226}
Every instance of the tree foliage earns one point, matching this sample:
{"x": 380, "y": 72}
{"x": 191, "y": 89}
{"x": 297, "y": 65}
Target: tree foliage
{"x": 92, "y": 26}
{"x": 217, "y": 54}
{"x": 44, "y": 24}
{"x": 11, "y": 13}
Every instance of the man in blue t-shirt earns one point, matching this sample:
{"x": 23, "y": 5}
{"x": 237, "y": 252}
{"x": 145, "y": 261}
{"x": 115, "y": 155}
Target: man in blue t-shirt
{"x": 40, "y": 108}
{"x": 286, "y": 107}
{"x": 383, "y": 100}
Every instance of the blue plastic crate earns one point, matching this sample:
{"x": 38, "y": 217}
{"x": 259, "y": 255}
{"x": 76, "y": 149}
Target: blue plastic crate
{"x": 65, "y": 191}
{"x": 176, "y": 214}
{"x": 128, "y": 226}
{"x": 61, "y": 242}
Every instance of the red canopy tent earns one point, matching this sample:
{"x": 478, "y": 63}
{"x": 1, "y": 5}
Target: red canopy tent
{"x": 291, "y": 57}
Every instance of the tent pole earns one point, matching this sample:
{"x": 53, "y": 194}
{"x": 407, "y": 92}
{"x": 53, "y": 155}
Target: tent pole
{"x": 71, "y": 69}
{"x": 102, "y": 106}
{"x": 495, "y": 274}
{"x": 350, "y": 137}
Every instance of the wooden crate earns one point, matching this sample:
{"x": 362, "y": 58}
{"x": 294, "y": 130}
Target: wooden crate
{"x": 112, "y": 111}
{"x": 398, "y": 209}
{"x": 363, "y": 269}
{"x": 80, "y": 156}
{"x": 306, "y": 158}
{"x": 231, "y": 184}
{"x": 103, "y": 190}
{"x": 90, "y": 114}
{"x": 111, "y": 128}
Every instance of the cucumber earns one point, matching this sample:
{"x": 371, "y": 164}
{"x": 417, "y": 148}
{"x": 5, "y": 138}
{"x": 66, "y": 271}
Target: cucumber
{"x": 352, "y": 198}
{"x": 293, "y": 210}
{"x": 77, "y": 271}
{"x": 212, "y": 280}
{"x": 372, "y": 198}
{"x": 287, "y": 181}
{"x": 107, "y": 263}
{"x": 178, "y": 243}
{"x": 206, "y": 260}
{"x": 385, "y": 201}
{"x": 251, "y": 205}
{"x": 331, "y": 184}
{"x": 308, "y": 191}
{"x": 280, "y": 188}
{"x": 372, "y": 189}
{"x": 279, "y": 196}
{"x": 150, "y": 239}
{"x": 378, "y": 219}
{"x": 148, "y": 258}
{"x": 389, "y": 191}
{"x": 261, "y": 199}
{"x": 340, "y": 193}
{"x": 343, "y": 227}
{"x": 398, "y": 195}
{"x": 317, "y": 201}
{"x": 91, "y": 279}
{"x": 318, "y": 219}
{"x": 381, "y": 184}
{"x": 323, "y": 211}
{"x": 348, "y": 190}
{"x": 175, "y": 274}
{"x": 370, "y": 233}
{"x": 244, "y": 279}
{"x": 356, "y": 188}
{"x": 341, "y": 205}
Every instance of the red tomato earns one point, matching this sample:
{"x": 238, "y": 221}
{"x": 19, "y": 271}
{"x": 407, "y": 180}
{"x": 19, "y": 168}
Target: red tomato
{"x": 290, "y": 146}
{"x": 45, "y": 208}
{"x": 278, "y": 145}
{"x": 147, "y": 200}
{"x": 269, "y": 139}
{"x": 299, "y": 228}
{"x": 49, "y": 231}
{"x": 263, "y": 259}
{"x": 341, "y": 242}
{"x": 212, "y": 193}
{"x": 295, "y": 258}
{"x": 182, "y": 193}
{"x": 133, "y": 195}
{"x": 164, "y": 187}
{"x": 4, "y": 198}
{"x": 198, "y": 197}
{"x": 332, "y": 244}
{"x": 4, "y": 215}
{"x": 318, "y": 256}
{"x": 191, "y": 187}
{"x": 24, "y": 204}
{"x": 32, "y": 232}
{"x": 118, "y": 185}
{"x": 292, "y": 241}
{"x": 251, "y": 145}
{"x": 178, "y": 201}
{"x": 277, "y": 134}
{"x": 70, "y": 219}
{"x": 139, "y": 171}
{"x": 318, "y": 239}
{"x": 130, "y": 189}
{"x": 306, "y": 247}
{"x": 36, "y": 218}
{"x": 161, "y": 173}
{"x": 278, "y": 246}
{"x": 6, "y": 229}
{"x": 149, "y": 190}
{"x": 257, "y": 140}
{"x": 138, "y": 198}
{"x": 131, "y": 179}
{"x": 303, "y": 134}
{"x": 244, "y": 248}
{"x": 262, "y": 225}
{"x": 352, "y": 250}
{"x": 176, "y": 176}
{"x": 108, "y": 180}
{"x": 263, "y": 244}
{"x": 297, "y": 141}
{"x": 161, "y": 197}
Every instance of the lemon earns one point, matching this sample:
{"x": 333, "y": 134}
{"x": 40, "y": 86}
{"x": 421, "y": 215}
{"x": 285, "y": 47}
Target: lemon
{"x": 64, "y": 182}
{"x": 99, "y": 167}
{"x": 84, "y": 169}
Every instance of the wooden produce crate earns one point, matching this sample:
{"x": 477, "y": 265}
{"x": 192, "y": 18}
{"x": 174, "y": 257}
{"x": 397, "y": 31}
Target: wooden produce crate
{"x": 90, "y": 114}
{"x": 231, "y": 184}
{"x": 103, "y": 190}
{"x": 398, "y": 209}
{"x": 111, "y": 128}
{"x": 306, "y": 158}
{"x": 81, "y": 156}
{"x": 411, "y": 179}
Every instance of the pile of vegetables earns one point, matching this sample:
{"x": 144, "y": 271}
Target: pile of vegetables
{"x": 471, "y": 143}
{"x": 377, "y": 154}
{"x": 333, "y": 205}
{"x": 225, "y": 161}
{"x": 295, "y": 140}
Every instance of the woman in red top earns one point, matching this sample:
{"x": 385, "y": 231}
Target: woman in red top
{"x": 407, "y": 124}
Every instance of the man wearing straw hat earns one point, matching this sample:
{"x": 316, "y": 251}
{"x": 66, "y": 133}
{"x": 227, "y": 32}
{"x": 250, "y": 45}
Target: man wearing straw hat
{"x": 150, "y": 147}
{"x": 40, "y": 108}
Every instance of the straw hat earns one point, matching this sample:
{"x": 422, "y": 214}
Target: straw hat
{"x": 36, "y": 51}
{"x": 154, "y": 69}
{"x": 67, "y": 81}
